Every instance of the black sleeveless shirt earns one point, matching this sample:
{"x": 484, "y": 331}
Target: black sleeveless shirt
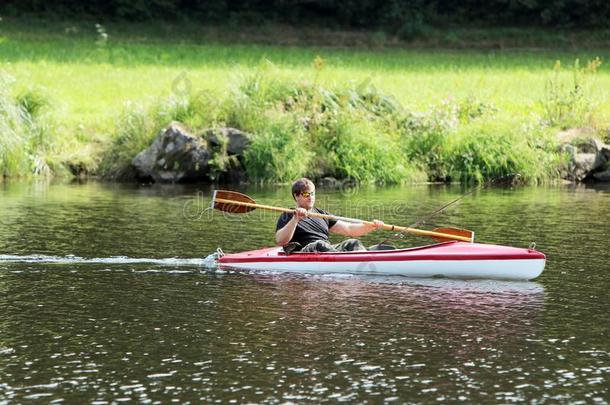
{"x": 308, "y": 229}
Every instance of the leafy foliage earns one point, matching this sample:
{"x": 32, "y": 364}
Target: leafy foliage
{"x": 408, "y": 19}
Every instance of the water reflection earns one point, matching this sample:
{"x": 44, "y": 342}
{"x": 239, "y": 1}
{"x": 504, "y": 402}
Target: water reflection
{"x": 487, "y": 303}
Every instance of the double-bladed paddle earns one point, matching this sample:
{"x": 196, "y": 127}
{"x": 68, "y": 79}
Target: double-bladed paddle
{"x": 238, "y": 203}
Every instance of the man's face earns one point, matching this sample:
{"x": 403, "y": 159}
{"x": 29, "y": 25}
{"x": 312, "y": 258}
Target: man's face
{"x": 306, "y": 199}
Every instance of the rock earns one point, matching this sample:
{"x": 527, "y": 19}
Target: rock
{"x": 590, "y": 145}
{"x": 237, "y": 141}
{"x": 602, "y": 176}
{"x": 583, "y": 164}
{"x": 78, "y": 169}
{"x": 178, "y": 156}
{"x": 587, "y": 156}
{"x": 174, "y": 156}
{"x": 329, "y": 182}
{"x": 228, "y": 146}
{"x": 605, "y": 151}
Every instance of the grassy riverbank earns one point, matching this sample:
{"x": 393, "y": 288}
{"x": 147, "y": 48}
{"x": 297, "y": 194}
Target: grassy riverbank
{"x": 97, "y": 95}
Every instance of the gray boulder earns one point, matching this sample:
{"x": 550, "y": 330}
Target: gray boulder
{"x": 177, "y": 156}
{"x": 236, "y": 141}
{"x": 586, "y": 157}
{"x": 329, "y": 182}
{"x": 582, "y": 164}
{"x": 227, "y": 145}
{"x": 174, "y": 156}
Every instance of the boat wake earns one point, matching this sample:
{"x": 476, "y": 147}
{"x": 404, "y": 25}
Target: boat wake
{"x": 71, "y": 259}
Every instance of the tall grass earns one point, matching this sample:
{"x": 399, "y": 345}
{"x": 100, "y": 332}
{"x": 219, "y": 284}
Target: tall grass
{"x": 25, "y": 135}
{"x": 279, "y": 151}
{"x": 568, "y": 101}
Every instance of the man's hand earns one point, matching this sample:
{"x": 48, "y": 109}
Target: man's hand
{"x": 377, "y": 223}
{"x": 284, "y": 235}
{"x": 300, "y": 213}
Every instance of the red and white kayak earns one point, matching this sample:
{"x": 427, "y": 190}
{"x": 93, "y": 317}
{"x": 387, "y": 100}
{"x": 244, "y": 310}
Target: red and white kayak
{"x": 450, "y": 259}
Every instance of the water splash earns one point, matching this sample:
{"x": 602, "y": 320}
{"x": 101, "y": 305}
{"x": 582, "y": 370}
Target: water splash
{"x": 210, "y": 261}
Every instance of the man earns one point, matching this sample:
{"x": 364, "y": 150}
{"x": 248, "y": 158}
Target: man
{"x": 298, "y": 230}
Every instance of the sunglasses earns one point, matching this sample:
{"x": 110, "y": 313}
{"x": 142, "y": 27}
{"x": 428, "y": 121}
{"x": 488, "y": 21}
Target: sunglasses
{"x": 306, "y": 194}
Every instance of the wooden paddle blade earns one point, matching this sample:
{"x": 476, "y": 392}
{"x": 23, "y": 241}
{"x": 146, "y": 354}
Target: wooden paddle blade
{"x": 233, "y": 196}
{"x": 453, "y": 231}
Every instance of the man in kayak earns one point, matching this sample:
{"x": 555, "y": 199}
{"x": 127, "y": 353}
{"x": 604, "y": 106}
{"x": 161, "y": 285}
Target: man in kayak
{"x": 297, "y": 231}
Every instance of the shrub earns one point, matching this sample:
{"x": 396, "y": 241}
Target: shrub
{"x": 487, "y": 150}
{"x": 300, "y": 127}
{"x": 425, "y": 136}
{"x": 279, "y": 151}
{"x": 362, "y": 151}
{"x": 33, "y": 102}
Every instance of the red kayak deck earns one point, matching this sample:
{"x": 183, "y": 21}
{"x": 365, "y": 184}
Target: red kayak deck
{"x": 442, "y": 251}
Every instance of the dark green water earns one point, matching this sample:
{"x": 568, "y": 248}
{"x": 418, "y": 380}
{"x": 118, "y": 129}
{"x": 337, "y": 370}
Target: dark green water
{"x": 103, "y": 300}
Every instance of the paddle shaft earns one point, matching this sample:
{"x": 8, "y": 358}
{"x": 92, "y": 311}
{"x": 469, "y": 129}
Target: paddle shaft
{"x": 387, "y": 227}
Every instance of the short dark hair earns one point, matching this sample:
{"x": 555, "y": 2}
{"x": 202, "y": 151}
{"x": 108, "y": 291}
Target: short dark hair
{"x": 301, "y": 185}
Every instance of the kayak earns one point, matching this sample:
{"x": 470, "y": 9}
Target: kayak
{"x": 454, "y": 259}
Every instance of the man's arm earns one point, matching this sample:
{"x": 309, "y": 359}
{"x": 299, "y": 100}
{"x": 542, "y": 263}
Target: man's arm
{"x": 355, "y": 229}
{"x": 284, "y": 235}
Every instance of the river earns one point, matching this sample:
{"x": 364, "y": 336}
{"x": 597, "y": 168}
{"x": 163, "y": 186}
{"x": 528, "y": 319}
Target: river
{"x": 104, "y": 299}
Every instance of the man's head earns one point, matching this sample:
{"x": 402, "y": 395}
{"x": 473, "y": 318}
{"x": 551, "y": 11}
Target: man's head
{"x": 303, "y": 192}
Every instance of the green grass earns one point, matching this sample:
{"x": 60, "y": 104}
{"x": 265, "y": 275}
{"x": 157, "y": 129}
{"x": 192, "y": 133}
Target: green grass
{"x": 89, "y": 80}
